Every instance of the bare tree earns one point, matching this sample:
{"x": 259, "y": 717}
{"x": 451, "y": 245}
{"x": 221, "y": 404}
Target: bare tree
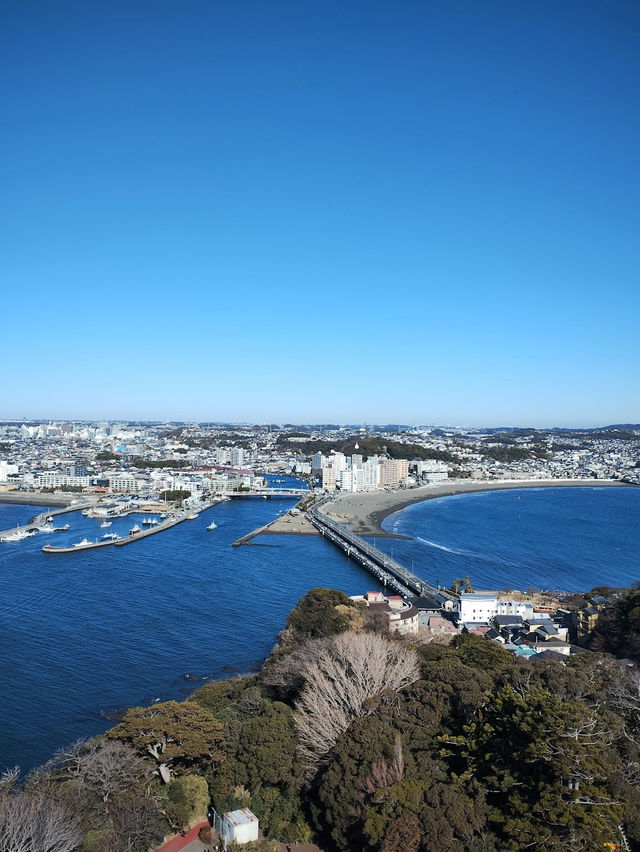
{"x": 109, "y": 768}
{"x": 32, "y": 824}
{"x": 286, "y": 674}
{"x": 353, "y": 669}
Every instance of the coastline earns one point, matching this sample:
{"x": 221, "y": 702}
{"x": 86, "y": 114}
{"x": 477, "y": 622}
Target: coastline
{"x": 365, "y": 513}
{"x": 24, "y": 498}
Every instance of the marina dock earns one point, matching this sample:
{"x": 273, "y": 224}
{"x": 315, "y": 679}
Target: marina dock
{"x": 119, "y": 542}
{"x": 41, "y": 519}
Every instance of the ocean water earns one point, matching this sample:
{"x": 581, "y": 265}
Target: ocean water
{"x": 121, "y": 626}
{"x": 124, "y": 626}
{"x": 562, "y": 539}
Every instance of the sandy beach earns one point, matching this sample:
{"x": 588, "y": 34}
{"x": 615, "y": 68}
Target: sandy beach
{"x": 364, "y": 513}
{"x": 26, "y": 498}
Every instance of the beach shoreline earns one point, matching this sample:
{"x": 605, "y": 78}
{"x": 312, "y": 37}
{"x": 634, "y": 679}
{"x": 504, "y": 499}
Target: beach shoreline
{"x": 365, "y": 513}
{"x": 25, "y": 498}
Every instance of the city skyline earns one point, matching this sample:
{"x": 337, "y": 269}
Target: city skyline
{"x": 414, "y": 213}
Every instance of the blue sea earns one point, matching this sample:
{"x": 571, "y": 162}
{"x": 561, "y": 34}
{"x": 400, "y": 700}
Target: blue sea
{"x": 560, "y": 539}
{"x": 114, "y": 627}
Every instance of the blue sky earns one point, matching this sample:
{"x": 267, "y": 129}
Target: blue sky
{"x": 321, "y": 211}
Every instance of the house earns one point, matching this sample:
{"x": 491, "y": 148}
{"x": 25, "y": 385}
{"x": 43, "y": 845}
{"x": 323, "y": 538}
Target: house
{"x": 402, "y": 616}
{"x": 441, "y": 626}
{"x": 428, "y": 607}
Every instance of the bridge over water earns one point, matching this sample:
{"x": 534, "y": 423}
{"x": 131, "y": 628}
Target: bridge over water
{"x": 386, "y": 569}
{"x": 269, "y": 492}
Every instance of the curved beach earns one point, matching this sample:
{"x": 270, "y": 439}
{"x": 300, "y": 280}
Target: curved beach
{"x": 364, "y": 513}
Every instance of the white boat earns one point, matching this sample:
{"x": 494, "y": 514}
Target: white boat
{"x": 50, "y": 519}
{"x": 164, "y": 515}
{"x": 105, "y": 524}
{"x": 83, "y": 543}
{"x": 110, "y": 536}
{"x": 46, "y": 528}
{"x": 86, "y": 512}
{"x": 11, "y": 537}
{"x": 153, "y": 522}
{"x": 212, "y": 526}
{"x": 192, "y": 516}
{"x": 61, "y": 529}
{"x": 135, "y": 529}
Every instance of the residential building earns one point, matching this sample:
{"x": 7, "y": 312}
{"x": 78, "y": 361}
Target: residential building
{"x": 393, "y": 472}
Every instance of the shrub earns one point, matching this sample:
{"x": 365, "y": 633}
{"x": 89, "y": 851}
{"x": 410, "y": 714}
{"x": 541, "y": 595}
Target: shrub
{"x": 187, "y": 797}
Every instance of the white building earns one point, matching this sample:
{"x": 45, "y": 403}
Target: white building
{"x": 123, "y": 483}
{"x": 329, "y": 478}
{"x": 317, "y": 462}
{"x": 236, "y": 456}
{"x": 6, "y": 469}
{"x": 338, "y": 461}
{"x": 431, "y": 470}
{"x": 484, "y": 606}
{"x": 61, "y": 480}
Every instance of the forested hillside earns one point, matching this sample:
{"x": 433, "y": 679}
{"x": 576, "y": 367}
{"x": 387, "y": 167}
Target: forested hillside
{"x": 364, "y": 743}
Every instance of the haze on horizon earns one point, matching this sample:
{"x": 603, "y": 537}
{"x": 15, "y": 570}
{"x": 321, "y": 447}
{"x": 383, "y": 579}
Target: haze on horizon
{"x": 309, "y": 212}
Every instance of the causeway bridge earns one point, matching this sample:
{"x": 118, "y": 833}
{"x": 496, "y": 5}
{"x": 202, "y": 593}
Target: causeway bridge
{"x": 383, "y": 567}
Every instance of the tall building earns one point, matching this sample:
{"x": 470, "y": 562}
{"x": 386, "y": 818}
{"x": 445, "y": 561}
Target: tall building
{"x": 370, "y": 473}
{"x": 236, "y": 456}
{"x": 338, "y": 461}
{"x": 393, "y": 472}
{"x": 329, "y": 478}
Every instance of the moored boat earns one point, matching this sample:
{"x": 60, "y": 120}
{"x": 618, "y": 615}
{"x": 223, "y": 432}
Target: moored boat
{"x": 212, "y": 526}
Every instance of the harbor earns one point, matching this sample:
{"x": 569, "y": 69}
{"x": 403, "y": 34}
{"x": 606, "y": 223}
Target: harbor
{"x": 136, "y": 533}
{"x": 42, "y": 523}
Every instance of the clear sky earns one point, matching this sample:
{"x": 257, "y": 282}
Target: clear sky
{"x": 420, "y": 211}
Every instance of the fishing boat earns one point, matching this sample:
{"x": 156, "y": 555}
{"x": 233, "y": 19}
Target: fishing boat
{"x": 212, "y": 526}
{"x": 13, "y": 536}
{"x": 134, "y": 530}
{"x": 83, "y": 543}
{"x": 46, "y": 528}
{"x": 105, "y": 524}
{"x": 110, "y": 536}
{"x": 61, "y": 529}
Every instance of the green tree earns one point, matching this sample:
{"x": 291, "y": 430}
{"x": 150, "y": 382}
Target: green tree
{"x": 317, "y": 614}
{"x": 545, "y": 765}
{"x": 267, "y": 751}
{"x": 176, "y": 735}
{"x": 186, "y": 797}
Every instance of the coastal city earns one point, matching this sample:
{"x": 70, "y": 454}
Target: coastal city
{"x": 146, "y": 458}
{"x": 320, "y": 426}
{"x": 330, "y": 488}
